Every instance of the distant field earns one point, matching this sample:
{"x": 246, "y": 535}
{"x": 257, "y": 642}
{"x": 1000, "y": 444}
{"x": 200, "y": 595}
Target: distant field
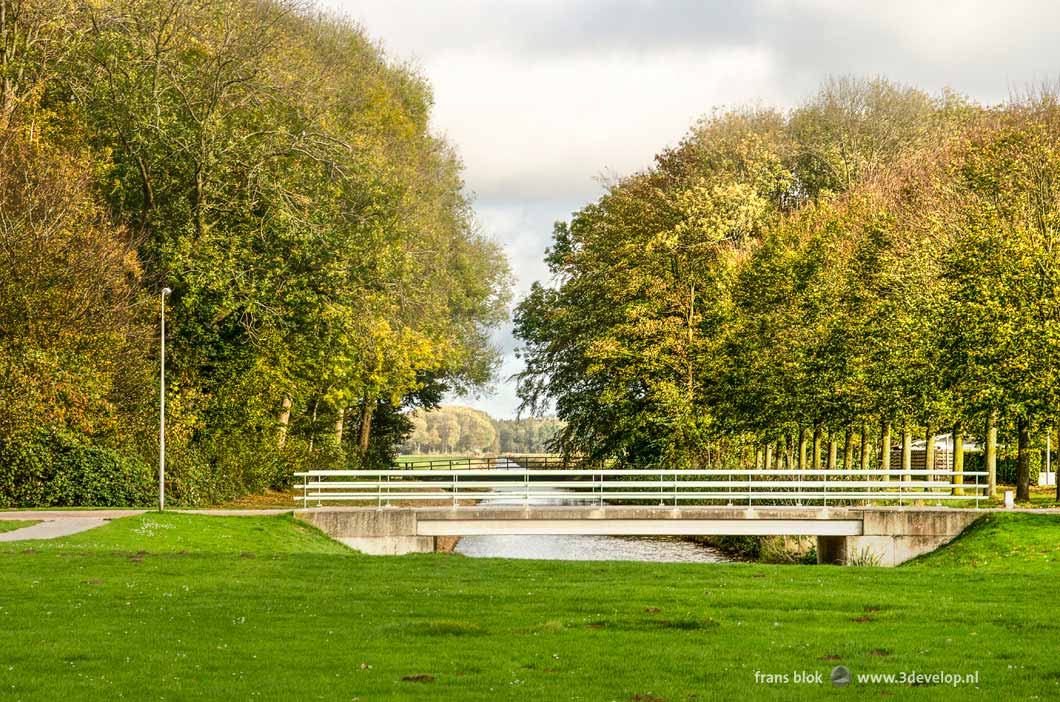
{"x": 462, "y": 456}
{"x": 194, "y": 607}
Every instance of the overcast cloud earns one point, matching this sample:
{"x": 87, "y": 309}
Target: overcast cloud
{"x": 541, "y": 98}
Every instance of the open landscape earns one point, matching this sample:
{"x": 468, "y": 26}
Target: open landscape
{"x": 601, "y": 351}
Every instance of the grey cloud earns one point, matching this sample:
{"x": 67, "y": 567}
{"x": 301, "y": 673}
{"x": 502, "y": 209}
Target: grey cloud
{"x": 501, "y": 68}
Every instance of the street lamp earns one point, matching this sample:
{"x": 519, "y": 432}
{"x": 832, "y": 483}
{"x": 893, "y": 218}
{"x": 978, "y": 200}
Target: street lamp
{"x": 162, "y": 413}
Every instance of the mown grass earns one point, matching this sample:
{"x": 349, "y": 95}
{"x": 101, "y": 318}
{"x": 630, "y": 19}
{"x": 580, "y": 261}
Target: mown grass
{"x": 12, "y": 524}
{"x": 182, "y": 607}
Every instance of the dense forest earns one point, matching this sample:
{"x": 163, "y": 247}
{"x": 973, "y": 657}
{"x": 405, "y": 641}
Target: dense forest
{"x": 811, "y": 287}
{"x": 275, "y": 169}
{"x": 455, "y": 429}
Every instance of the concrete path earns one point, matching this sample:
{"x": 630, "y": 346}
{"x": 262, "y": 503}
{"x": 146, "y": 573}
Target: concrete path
{"x": 53, "y": 529}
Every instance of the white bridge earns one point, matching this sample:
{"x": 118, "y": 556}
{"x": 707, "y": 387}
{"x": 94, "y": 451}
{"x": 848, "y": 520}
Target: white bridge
{"x": 875, "y": 515}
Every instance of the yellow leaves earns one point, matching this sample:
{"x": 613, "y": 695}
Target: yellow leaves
{"x": 716, "y": 212}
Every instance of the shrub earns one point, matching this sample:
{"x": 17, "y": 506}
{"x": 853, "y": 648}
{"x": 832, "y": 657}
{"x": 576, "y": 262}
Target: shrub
{"x": 1006, "y": 467}
{"x": 57, "y": 468}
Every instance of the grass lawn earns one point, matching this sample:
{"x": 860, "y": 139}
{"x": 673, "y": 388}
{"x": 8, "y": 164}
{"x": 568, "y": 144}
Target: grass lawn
{"x": 180, "y": 607}
{"x": 12, "y": 524}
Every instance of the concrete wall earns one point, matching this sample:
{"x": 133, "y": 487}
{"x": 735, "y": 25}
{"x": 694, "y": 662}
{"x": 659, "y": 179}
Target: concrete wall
{"x": 376, "y": 532}
{"x": 891, "y": 536}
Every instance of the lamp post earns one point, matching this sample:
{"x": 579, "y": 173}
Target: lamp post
{"x": 162, "y": 412}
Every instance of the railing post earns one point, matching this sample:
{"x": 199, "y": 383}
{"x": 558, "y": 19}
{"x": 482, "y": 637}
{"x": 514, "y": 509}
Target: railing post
{"x": 388, "y": 489}
{"x": 378, "y": 491}
{"x": 675, "y": 488}
{"x": 305, "y": 490}
{"x": 455, "y": 488}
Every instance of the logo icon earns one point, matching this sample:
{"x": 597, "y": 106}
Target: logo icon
{"x": 840, "y": 676}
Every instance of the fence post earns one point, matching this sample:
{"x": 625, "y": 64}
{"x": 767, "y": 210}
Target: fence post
{"x": 455, "y": 488}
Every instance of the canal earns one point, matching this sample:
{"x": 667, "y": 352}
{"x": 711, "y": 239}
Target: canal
{"x": 584, "y": 548}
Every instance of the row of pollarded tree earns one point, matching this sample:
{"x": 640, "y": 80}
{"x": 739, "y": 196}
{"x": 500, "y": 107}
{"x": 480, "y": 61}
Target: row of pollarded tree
{"x": 877, "y": 257}
{"x": 886, "y": 449}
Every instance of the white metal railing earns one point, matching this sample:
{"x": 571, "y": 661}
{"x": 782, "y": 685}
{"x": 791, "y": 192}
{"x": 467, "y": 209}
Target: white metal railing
{"x": 657, "y": 486}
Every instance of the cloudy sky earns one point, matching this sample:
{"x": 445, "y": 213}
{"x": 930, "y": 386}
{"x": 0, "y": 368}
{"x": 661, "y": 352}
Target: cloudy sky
{"x": 543, "y": 97}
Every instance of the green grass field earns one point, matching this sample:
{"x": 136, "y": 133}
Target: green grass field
{"x": 12, "y": 524}
{"x": 183, "y": 607}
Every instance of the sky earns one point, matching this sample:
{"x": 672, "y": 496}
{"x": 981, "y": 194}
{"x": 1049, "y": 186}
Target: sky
{"x": 546, "y": 99}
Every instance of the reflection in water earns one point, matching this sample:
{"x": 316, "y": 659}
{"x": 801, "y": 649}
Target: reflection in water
{"x": 589, "y": 548}
{"x": 581, "y": 548}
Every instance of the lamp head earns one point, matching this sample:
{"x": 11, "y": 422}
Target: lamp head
{"x": 166, "y": 291}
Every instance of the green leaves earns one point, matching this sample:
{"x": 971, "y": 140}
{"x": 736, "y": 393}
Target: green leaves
{"x": 276, "y": 171}
{"x": 875, "y": 255}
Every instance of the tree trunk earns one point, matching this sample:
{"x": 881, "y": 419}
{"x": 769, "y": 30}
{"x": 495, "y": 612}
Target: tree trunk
{"x": 816, "y": 458}
{"x": 907, "y": 452}
{"x": 929, "y": 451}
{"x": 831, "y": 451}
{"x": 1056, "y": 475}
{"x": 885, "y": 448}
{"x": 848, "y": 450}
{"x": 991, "y": 453}
{"x": 284, "y": 419}
{"x": 769, "y": 455}
{"x": 958, "y": 457}
{"x": 1023, "y": 461}
{"x": 802, "y": 449}
{"x": 340, "y": 420}
{"x": 864, "y": 457}
{"x": 366, "y": 425}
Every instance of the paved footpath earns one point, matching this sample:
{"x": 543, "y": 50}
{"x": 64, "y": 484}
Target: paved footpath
{"x": 56, "y": 523}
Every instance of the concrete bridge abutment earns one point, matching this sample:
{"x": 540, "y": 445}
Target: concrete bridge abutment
{"x": 882, "y": 536}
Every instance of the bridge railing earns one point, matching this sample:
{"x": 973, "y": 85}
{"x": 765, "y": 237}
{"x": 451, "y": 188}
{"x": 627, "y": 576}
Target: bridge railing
{"x": 504, "y": 462}
{"x": 469, "y": 486}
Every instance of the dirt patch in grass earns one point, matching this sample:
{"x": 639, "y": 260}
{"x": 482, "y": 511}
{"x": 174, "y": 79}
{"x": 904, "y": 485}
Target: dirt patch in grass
{"x": 435, "y": 628}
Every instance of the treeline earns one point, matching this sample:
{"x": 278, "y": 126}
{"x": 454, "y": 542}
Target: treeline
{"x": 464, "y": 430}
{"x": 812, "y": 287}
{"x": 274, "y": 169}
